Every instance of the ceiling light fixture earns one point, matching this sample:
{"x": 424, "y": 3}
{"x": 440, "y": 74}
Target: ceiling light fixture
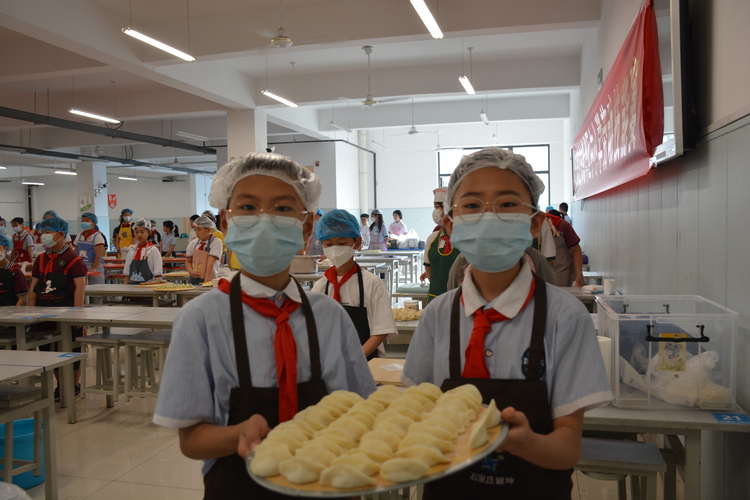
{"x": 484, "y": 118}
{"x": 463, "y": 78}
{"x": 341, "y": 127}
{"x": 276, "y": 97}
{"x": 30, "y": 183}
{"x": 65, "y": 172}
{"x": 128, "y": 178}
{"x": 3, "y": 168}
{"x": 376, "y": 143}
{"x": 281, "y": 41}
{"x": 156, "y": 43}
{"x": 427, "y": 18}
{"x": 494, "y": 138}
{"x": 195, "y": 137}
{"x": 103, "y": 118}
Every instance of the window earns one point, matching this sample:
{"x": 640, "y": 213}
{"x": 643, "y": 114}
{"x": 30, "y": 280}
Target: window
{"x": 537, "y": 156}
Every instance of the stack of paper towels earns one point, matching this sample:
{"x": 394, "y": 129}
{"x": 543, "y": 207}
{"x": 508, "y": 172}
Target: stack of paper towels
{"x": 605, "y": 346}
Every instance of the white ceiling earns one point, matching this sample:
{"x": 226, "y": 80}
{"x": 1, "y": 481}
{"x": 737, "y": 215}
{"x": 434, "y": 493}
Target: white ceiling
{"x": 524, "y": 53}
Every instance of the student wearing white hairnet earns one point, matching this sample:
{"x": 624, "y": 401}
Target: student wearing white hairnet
{"x": 439, "y": 253}
{"x": 203, "y": 253}
{"x": 524, "y": 343}
{"x": 361, "y": 293}
{"x": 269, "y": 349}
{"x": 143, "y": 261}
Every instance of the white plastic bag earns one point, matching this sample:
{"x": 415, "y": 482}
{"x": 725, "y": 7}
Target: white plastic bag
{"x": 12, "y": 492}
{"x": 408, "y": 240}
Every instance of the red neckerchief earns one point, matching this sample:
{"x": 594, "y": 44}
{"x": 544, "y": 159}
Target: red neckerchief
{"x": 447, "y": 239}
{"x": 332, "y": 277}
{"x": 285, "y": 348}
{"x": 91, "y": 231}
{"x": 476, "y": 366}
{"x": 140, "y": 247}
{"x": 555, "y": 220}
{"x": 203, "y": 245}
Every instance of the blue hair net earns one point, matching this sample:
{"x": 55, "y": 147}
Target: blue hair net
{"x": 50, "y": 212}
{"x": 549, "y": 207}
{"x": 337, "y": 224}
{"x": 5, "y": 241}
{"x": 319, "y": 212}
{"x": 126, "y": 210}
{"x": 91, "y": 216}
{"x": 54, "y": 224}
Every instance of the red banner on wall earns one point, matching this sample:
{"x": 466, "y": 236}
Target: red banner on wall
{"x": 112, "y": 200}
{"x": 626, "y": 121}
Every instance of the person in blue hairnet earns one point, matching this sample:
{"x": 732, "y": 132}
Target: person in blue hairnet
{"x": 13, "y": 288}
{"x": 123, "y": 235}
{"x": 361, "y": 293}
{"x": 91, "y": 246}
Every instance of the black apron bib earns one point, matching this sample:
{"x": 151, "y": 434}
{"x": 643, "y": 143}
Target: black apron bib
{"x": 52, "y": 288}
{"x": 358, "y": 315}
{"x": 8, "y": 296}
{"x": 502, "y": 475}
{"x": 228, "y": 478}
{"x": 139, "y": 271}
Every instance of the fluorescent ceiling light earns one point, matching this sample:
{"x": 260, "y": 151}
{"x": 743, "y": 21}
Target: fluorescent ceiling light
{"x": 156, "y": 43}
{"x": 195, "y": 137}
{"x": 94, "y": 116}
{"x": 484, "y": 118}
{"x": 427, "y": 19}
{"x": 341, "y": 127}
{"x": 494, "y": 138}
{"x": 128, "y": 178}
{"x": 376, "y": 143}
{"x": 289, "y": 103}
{"x": 65, "y": 172}
{"x": 467, "y": 84}
{"x": 29, "y": 183}
{"x": 3, "y": 168}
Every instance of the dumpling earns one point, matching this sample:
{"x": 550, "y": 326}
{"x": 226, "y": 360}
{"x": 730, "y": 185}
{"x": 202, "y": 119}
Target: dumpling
{"x": 399, "y": 470}
{"x": 385, "y": 389}
{"x": 345, "y": 476}
{"x": 359, "y": 461}
{"x": 375, "y": 456}
{"x": 289, "y": 430}
{"x": 492, "y": 415}
{"x": 426, "y": 454}
{"x": 441, "y": 420}
{"x": 299, "y": 424}
{"x": 266, "y": 461}
{"x": 390, "y": 438}
{"x": 362, "y": 416}
{"x": 342, "y": 441}
{"x": 391, "y": 427}
{"x": 320, "y": 414}
{"x": 435, "y": 390}
{"x": 270, "y": 444}
{"x": 400, "y": 420}
{"x": 452, "y": 413}
{"x": 300, "y": 470}
{"x": 353, "y": 427}
{"x": 399, "y": 411}
{"x": 426, "y": 402}
{"x": 462, "y": 396}
{"x": 326, "y": 442}
{"x": 346, "y": 397}
{"x": 314, "y": 424}
{"x": 373, "y": 405}
{"x": 455, "y": 401}
{"x": 436, "y": 431}
{"x": 316, "y": 453}
{"x": 427, "y": 440}
{"x": 300, "y": 414}
{"x": 422, "y": 391}
{"x": 469, "y": 389}
{"x": 408, "y": 402}
{"x": 358, "y": 408}
{"x": 289, "y": 440}
{"x": 478, "y": 435}
{"x": 331, "y": 407}
{"x": 342, "y": 404}
{"x": 372, "y": 444}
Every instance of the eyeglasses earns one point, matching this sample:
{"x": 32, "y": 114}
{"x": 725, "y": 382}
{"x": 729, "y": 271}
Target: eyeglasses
{"x": 470, "y": 209}
{"x": 282, "y": 216}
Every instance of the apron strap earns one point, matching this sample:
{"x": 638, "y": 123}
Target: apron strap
{"x": 326, "y": 290}
{"x": 312, "y": 335}
{"x": 361, "y": 286}
{"x": 536, "y": 350}
{"x": 238, "y": 330}
{"x": 454, "y": 354}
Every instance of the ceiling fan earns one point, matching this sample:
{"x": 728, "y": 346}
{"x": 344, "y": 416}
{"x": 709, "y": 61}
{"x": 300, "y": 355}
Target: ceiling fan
{"x": 280, "y": 40}
{"x": 369, "y": 100}
{"x": 413, "y": 130}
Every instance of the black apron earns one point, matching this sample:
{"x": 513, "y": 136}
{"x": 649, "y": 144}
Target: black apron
{"x": 504, "y": 475}
{"x": 8, "y": 294}
{"x": 358, "y": 315}
{"x": 139, "y": 271}
{"x": 228, "y": 478}
{"x": 52, "y": 288}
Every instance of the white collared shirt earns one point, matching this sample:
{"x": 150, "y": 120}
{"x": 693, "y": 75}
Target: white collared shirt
{"x": 508, "y": 303}
{"x": 261, "y": 291}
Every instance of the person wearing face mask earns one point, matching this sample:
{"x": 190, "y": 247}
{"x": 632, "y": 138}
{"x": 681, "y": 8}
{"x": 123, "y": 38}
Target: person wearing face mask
{"x": 123, "y": 235}
{"x": 275, "y": 348}
{"x": 439, "y": 253}
{"x": 364, "y": 231}
{"x": 362, "y": 294}
{"x": 143, "y": 261}
{"x": 522, "y": 342}
{"x": 91, "y": 246}
{"x": 155, "y": 236}
{"x": 23, "y": 242}
{"x": 3, "y": 227}
{"x": 58, "y": 279}
{"x": 378, "y": 231}
{"x": 203, "y": 253}
{"x": 13, "y": 287}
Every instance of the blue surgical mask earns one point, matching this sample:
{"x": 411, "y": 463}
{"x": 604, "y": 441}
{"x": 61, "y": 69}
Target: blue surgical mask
{"x": 493, "y": 243}
{"x": 85, "y": 226}
{"x": 263, "y": 249}
{"x": 2, "y": 230}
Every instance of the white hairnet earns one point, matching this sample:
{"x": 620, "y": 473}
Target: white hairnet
{"x": 204, "y": 221}
{"x": 500, "y": 158}
{"x": 144, "y": 223}
{"x": 305, "y": 183}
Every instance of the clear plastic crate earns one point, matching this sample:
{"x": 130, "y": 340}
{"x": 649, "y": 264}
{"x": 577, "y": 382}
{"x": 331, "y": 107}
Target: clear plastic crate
{"x": 654, "y": 368}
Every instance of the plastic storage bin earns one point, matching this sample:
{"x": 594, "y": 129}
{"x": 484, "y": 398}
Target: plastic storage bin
{"x": 23, "y": 449}
{"x": 670, "y": 352}
{"x": 304, "y": 264}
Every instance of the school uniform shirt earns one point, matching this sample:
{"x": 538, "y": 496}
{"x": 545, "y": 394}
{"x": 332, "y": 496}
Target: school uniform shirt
{"x": 97, "y": 238}
{"x": 200, "y": 369}
{"x": 192, "y": 235}
{"x": 397, "y": 228}
{"x": 573, "y": 366}
{"x": 377, "y": 302}
{"x": 167, "y": 242}
{"x": 547, "y": 240}
{"x": 20, "y": 286}
{"x": 150, "y": 253}
{"x": 61, "y": 260}
{"x": 364, "y": 231}
{"x": 213, "y": 251}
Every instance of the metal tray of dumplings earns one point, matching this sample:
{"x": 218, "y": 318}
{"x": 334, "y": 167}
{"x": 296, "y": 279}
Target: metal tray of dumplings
{"x": 462, "y": 457}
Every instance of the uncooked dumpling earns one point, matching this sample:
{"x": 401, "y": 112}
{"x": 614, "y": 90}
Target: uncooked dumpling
{"x": 492, "y": 415}
{"x": 384, "y": 389}
{"x": 300, "y": 470}
{"x": 316, "y": 453}
{"x": 343, "y": 441}
{"x": 339, "y": 402}
{"x": 400, "y": 420}
{"x": 399, "y": 470}
{"x": 435, "y": 390}
{"x": 266, "y": 461}
{"x": 426, "y": 454}
{"x": 362, "y": 416}
{"x": 427, "y": 440}
{"x": 375, "y": 456}
{"x": 299, "y": 424}
{"x": 345, "y": 476}
{"x": 378, "y": 445}
{"x": 359, "y": 408}
{"x": 463, "y": 396}
{"x": 445, "y": 422}
{"x": 478, "y": 435}
{"x": 409, "y": 402}
{"x": 390, "y": 438}
{"x": 359, "y": 461}
{"x": 391, "y": 427}
{"x": 452, "y": 413}
{"x": 353, "y": 427}
{"x": 320, "y": 414}
{"x": 421, "y": 391}
{"x": 373, "y": 405}
{"x": 346, "y": 397}
{"x": 289, "y": 430}
{"x": 289, "y": 440}
{"x": 314, "y": 424}
{"x": 328, "y": 443}
{"x": 333, "y": 408}
{"x": 469, "y": 389}
{"x": 436, "y": 431}
{"x": 398, "y": 411}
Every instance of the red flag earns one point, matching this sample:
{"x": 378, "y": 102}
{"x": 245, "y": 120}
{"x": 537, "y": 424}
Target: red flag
{"x": 112, "y": 200}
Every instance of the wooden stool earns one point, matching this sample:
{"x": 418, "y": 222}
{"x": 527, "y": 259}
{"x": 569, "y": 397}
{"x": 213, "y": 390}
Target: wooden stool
{"x": 615, "y": 460}
{"x": 142, "y": 381}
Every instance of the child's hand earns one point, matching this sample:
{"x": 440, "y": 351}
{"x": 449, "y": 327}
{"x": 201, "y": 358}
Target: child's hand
{"x": 252, "y": 431}
{"x": 519, "y": 433}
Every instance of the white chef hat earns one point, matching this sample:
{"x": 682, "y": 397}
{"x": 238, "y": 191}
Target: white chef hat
{"x": 499, "y": 158}
{"x": 440, "y": 194}
{"x": 305, "y": 183}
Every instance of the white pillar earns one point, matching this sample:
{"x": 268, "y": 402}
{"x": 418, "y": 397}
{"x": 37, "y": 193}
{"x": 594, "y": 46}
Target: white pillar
{"x": 363, "y": 140}
{"x": 92, "y": 193}
{"x": 246, "y": 132}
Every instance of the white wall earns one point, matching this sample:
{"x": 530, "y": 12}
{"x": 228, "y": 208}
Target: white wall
{"x": 13, "y": 201}
{"x": 306, "y": 154}
{"x": 347, "y": 177}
